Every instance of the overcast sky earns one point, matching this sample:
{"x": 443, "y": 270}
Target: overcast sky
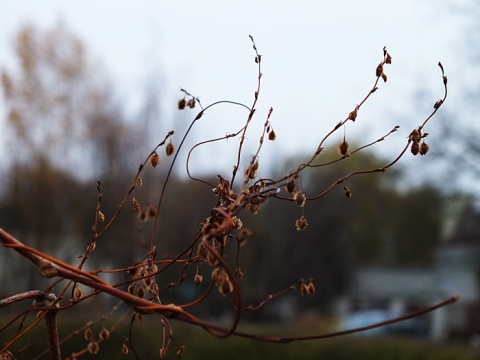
{"x": 319, "y": 58}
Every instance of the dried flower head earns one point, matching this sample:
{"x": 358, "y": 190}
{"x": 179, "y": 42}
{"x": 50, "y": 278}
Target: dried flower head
{"x": 301, "y": 224}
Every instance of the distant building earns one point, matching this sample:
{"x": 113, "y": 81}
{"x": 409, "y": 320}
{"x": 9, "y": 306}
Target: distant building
{"x": 398, "y": 290}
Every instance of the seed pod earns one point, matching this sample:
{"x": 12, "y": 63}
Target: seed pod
{"x": 424, "y": 148}
{"x": 342, "y": 148}
{"x": 291, "y": 184}
{"x": 87, "y": 334}
{"x": 237, "y": 223}
{"x": 251, "y": 171}
{"x": 415, "y": 148}
{"x": 93, "y": 347}
{"x": 271, "y": 135}
{"x": 181, "y": 104}
{"x": 384, "y": 77}
{"x": 388, "y": 59}
{"x": 100, "y": 216}
{"x": 379, "y": 70}
{"x": 198, "y": 279}
{"x": 191, "y": 103}
{"x": 301, "y": 224}
{"x": 104, "y": 334}
{"x": 154, "y": 160}
{"x": 124, "y": 349}
{"x": 308, "y": 289}
{"x": 130, "y": 289}
{"x": 136, "y": 204}
{"x": 353, "y": 115}
{"x": 152, "y": 211}
{"x": 415, "y": 135}
{"x": 77, "y": 292}
{"x": 299, "y": 198}
{"x": 348, "y": 193}
{"x": 169, "y": 149}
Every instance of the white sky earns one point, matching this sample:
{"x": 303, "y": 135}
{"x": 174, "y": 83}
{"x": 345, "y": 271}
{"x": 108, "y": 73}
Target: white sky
{"x": 319, "y": 58}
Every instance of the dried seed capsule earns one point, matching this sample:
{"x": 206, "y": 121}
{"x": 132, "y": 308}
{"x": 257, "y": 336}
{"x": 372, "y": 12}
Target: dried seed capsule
{"x": 154, "y": 160}
{"x": 169, "y": 149}
{"x": 88, "y": 334}
{"x": 299, "y": 198}
{"x": 379, "y": 70}
{"x": 93, "y": 347}
{"x": 388, "y": 59}
{"x": 415, "y": 148}
{"x": 353, "y": 115}
{"x": 198, "y": 279}
{"x": 181, "y": 104}
{"x": 301, "y": 224}
{"x": 191, "y": 103}
{"x": 424, "y": 148}
{"x": 348, "y": 193}
{"x": 77, "y": 292}
{"x": 271, "y": 135}
{"x": 104, "y": 334}
{"x": 342, "y": 148}
{"x": 291, "y": 185}
{"x": 415, "y": 135}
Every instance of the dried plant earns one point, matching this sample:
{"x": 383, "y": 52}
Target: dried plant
{"x": 222, "y": 232}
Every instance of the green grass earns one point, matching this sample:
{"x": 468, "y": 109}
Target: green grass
{"x": 200, "y": 345}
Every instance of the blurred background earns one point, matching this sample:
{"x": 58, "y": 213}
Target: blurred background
{"x": 89, "y": 89}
